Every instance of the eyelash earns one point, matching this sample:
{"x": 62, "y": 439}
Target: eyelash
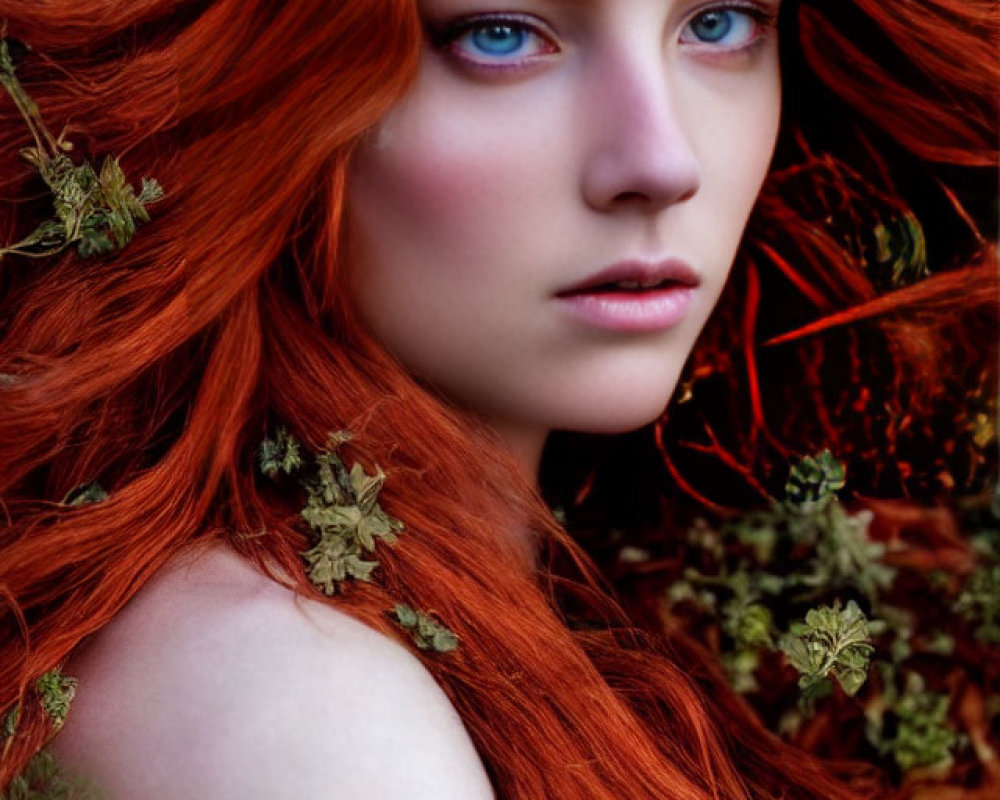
{"x": 444, "y": 38}
{"x": 764, "y": 18}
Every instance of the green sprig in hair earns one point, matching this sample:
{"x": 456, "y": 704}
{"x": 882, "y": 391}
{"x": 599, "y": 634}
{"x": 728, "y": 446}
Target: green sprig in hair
{"x": 345, "y": 520}
{"x": 98, "y": 212}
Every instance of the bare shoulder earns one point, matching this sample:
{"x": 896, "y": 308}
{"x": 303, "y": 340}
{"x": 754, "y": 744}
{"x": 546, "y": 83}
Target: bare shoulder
{"x": 217, "y": 682}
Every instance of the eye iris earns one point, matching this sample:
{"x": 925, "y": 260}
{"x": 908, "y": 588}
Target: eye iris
{"x": 498, "y": 39}
{"x": 712, "y": 26}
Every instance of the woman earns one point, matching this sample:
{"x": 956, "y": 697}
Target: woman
{"x": 449, "y": 228}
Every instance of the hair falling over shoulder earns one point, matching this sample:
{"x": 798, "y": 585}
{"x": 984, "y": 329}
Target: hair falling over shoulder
{"x": 157, "y": 371}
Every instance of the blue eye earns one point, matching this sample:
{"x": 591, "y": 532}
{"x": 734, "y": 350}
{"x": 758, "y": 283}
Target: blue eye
{"x": 731, "y": 28}
{"x": 497, "y": 39}
{"x": 494, "y": 42}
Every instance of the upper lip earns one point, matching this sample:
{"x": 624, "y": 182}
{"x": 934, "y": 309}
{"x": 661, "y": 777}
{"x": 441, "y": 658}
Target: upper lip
{"x": 669, "y": 269}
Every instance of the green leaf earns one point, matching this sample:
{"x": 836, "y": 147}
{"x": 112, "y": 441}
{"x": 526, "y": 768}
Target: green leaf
{"x": 85, "y": 494}
{"x": 56, "y": 692}
{"x": 341, "y": 509}
{"x": 48, "y": 234}
{"x": 97, "y": 213}
{"x": 913, "y": 727}
{"x": 329, "y": 562}
{"x": 979, "y": 603}
{"x": 830, "y": 642}
{"x": 444, "y": 641}
{"x": 428, "y": 634}
{"x": 740, "y": 667}
{"x": 151, "y": 191}
{"x": 95, "y": 244}
{"x": 407, "y": 616}
{"x": 357, "y": 568}
{"x": 813, "y": 482}
{"x": 748, "y": 624}
{"x": 366, "y": 487}
{"x": 10, "y": 721}
{"x": 343, "y": 519}
{"x": 283, "y": 453}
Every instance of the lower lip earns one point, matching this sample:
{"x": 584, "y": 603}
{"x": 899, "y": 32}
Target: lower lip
{"x": 647, "y": 310}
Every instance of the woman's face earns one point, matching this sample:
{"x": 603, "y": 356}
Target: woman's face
{"x": 544, "y": 143}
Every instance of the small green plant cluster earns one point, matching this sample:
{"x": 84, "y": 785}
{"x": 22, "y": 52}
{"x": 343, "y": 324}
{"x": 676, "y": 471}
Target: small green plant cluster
{"x": 979, "y": 602}
{"x": 85, "y": 495}
{"x": 428, "y": 634}
{"x": 831, "y": 642}
{"x": 98, "y": 212}
{"x": 900, "y": 252}
{"x": 803, "y": 583}
{"x": 42, "y": 779}
{"x": 55, "y": 692}
{"x": 341, "y": 509}
{"x": 346, "y": 521}
{"x": 801, "y": 550}
{"x": 920, "y": 734}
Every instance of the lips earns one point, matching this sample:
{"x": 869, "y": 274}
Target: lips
{"x": 633, "y": 297}
{"x": 635, "y": 276}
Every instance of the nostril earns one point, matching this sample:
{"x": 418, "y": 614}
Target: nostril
{"x": 632, "y": 197}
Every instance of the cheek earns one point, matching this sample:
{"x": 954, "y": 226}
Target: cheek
{"x": 440, "y": 215}
{"x": 734, "y": 137}
{"x": 464, "y": 175}
{"x": 444, "y": 185}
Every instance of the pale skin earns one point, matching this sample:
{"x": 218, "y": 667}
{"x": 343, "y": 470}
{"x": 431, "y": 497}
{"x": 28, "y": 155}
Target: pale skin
{"x": 532, "y": 151}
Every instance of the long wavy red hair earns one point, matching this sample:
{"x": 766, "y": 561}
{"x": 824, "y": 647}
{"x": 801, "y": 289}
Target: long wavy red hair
{"x": 156, "y": 371}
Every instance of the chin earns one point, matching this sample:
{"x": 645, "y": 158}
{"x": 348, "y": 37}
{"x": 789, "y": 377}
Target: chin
{"x": 629, "y": 414}
{"x": 619, "y": 402}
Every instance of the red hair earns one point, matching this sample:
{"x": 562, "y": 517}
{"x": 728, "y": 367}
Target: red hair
{"x": 157, "y": 371}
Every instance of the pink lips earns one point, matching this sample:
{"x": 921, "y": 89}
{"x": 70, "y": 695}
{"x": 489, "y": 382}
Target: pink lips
{"x": 661, "y": 301}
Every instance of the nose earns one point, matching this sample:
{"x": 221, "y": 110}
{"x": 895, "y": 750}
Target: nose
{"x": 639, "y": 154}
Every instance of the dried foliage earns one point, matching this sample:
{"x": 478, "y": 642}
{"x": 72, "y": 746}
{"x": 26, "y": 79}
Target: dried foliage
{"x": 341, "y": 509}
{"x": 428, "y": 634}
{"x": 98, "y": 212}
{"x": 861, "y": 631}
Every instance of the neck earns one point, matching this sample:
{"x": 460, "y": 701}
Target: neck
{"x": 525, "y": 444}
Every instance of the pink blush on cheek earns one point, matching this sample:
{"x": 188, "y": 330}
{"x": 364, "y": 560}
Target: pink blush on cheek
{"x": 446, "y": 209}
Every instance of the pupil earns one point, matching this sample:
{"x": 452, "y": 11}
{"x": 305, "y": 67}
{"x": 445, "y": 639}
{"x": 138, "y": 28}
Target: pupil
{"x": 712, "y": 26}
{"x": 498, "y": 39}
